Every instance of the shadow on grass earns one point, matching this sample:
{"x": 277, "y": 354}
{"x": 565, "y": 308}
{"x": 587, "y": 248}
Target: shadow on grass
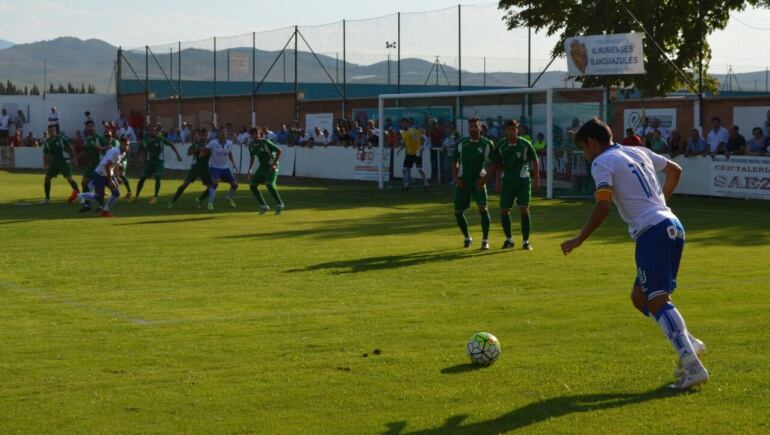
{"x": 393, "y": 261}
{"x": 536, "y": 412}
{"x": 461, "y": 368}
{"x": 169, "y": 221}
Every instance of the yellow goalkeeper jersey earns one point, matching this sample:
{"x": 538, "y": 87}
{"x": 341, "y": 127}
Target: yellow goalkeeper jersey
{"x": 412, "y": 140}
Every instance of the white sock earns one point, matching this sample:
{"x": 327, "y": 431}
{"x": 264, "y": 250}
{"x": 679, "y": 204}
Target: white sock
{"x": 407, "y": 175}
{"x": 231, "y": 193}
{"x": 673, "y": 326}
{"x": 212, "y": 193}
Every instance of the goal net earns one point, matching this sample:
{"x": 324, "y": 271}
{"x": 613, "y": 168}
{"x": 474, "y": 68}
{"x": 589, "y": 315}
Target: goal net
{"x": 549, "y": 117}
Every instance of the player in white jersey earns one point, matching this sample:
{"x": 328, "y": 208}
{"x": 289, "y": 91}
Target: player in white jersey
{"x": 626, "y": 176}
{"x": 220, "y": 151}
{"x": 105, "y": 176}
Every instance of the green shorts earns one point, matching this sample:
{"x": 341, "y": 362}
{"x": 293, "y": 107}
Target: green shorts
{"x": 196, "y": 172}
{"x": 462, "y": 197}
{"x": 520, "y": 192}
{"x": 265, "y": 176}
{"x": 65, "y": 168}
{"x": 153, "y": 168}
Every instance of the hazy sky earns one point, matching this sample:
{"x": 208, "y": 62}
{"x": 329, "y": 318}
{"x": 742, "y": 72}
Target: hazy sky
{"x": 144, "y": 22}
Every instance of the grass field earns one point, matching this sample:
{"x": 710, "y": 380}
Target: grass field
{"x": 192, "y": 321}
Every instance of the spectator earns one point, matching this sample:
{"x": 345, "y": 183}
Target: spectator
{"x": 362, "y": 140}
{"x": 676, "y": 144}
{"x": 282, "y": 136}
{"x": 87, "y": 117}
{"x": 17, "y": 140}
{"x": 665, "y": 134}
{"x": 318, "y": 137}
{"x": 643, "y": 129}
{"x": 658, "y": 145}
{"x": 30, "y": 140}
{"x": 185, "y": 132}
{"x": 327, "y": 138}
{"x": 449, "y": 144}
{"x": 244, "y": 137}
{"x": 766, "y": 128}
{"x": 136, "y": 121}
{"x": 757, "y": 145}
{"x": 19, "y": 120}
{"x": 539, "y": 144}
{"x": 78, "y": 144}
{"x": 492, "y": 131}
{"x": 631, "y": 139}
{"x": 717, "y": 137}
{"x": 696, "y": 146}
{"x": 5, "y": 125}
{"x": 736, "y": 143}
{"x": 53, "y": 119}
{"x": 127, "y": 131}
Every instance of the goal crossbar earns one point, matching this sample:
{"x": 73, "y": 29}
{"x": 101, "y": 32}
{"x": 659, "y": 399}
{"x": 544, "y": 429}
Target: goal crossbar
{"x": 548, "y": 92}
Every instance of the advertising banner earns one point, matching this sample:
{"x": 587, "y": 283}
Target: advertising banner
{"x": 594, "y": 55}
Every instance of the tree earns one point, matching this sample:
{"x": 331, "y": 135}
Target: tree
{"x": 35, "y": 90}
{"x": 51, "y": 90}
{"x": 673, "y": 24}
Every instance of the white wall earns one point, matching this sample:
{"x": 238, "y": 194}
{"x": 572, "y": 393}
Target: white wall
{"x": 70, "y": 107}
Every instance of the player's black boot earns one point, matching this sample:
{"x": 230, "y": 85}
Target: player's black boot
{"x": 508, "y": 244}
{"x": 467, "y": 243}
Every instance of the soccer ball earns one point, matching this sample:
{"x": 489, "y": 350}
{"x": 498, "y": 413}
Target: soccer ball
{"x": 483, "y": 349}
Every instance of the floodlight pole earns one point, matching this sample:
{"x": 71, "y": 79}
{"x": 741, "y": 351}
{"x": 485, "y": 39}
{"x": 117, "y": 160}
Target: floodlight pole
{"x": 179, "y": 85}
{"x": 549, "y": 142}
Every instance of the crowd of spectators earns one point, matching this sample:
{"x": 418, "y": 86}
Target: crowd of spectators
{"x": 717, "y": 141}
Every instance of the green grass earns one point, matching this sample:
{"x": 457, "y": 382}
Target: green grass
{"x": 227, "y": 322}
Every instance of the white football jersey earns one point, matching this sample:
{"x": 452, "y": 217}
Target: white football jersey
{"x": 219, "y": 154}
{"x": 630, "y": 171}
{"x": 113, "y": 155}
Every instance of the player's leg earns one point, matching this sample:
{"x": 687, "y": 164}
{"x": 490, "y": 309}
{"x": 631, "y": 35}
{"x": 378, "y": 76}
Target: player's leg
{"x": 480, "y": 196}
{"x": 422, "y": 173}
{"x": 190, "y": 178}
{"x": 146, "y": 173}
{"x": 157, "y": 174}
{"x": 658, "y": 253}
{"x": 67, "y": 172}
{"x": 523, "y": 193}
{"x": 213, "y": 187}
{"x": 272, "y": 187}
{"x": 47, "y": 187}
{"x": 96, "y": 191}
{"x": 506, "y": 203}
{"x": 406, "y": 172}
{"x": 124, "y": 180}
{"x": 462, "y": 200}
{"x": 230, "y": 178}
{"x": 114, "y": 196}
{"x": 258, "y": 178}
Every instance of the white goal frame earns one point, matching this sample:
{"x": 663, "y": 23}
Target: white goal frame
{"x": 549, "y": 92}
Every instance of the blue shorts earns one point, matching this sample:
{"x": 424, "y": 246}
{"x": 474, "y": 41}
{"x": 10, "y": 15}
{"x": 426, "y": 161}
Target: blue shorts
{"x": 658, "y": 253}
{"x": 221, "y": 174}
{"x": 100, "y": 182}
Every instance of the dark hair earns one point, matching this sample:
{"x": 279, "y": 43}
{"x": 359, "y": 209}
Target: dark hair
{"x": 756, "y": 129}
{"x": 629, "y": 130}
{"x": 716, "y": 118}
{"x": 511, "y": 123}
{"x": 473, "y": 119}
{"x": 594, "y": 129}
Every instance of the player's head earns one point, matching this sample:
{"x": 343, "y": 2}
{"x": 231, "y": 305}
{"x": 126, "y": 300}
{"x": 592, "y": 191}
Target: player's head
{"x": 511, "y": 130}
{"x": 153, "y": 130}
{"x": 474, "y": 127}
{"x": 222, "y": 134}
{"x": 124, "y": 143}
{"x": 51, "y": 130}
{"x": 255, "y": 133}
{"x": 107, "y": 134}
{"x": 593, "y": 138}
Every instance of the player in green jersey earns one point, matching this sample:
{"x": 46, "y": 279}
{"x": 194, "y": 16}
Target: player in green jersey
{"x": 268, "y": 155}
{"x": 58, "y": 152}
{"x": 511, "y": 159}
{"x": 198, "y": 169}
{"x": 154, "y": 163}
{"x": 470, "y": 177}
{"x": 95, "y": 146}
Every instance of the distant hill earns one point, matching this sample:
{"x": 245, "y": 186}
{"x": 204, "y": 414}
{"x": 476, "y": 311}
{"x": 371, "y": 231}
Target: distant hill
{"x": 91, "y": 62}
{"x": 5, "y": 44}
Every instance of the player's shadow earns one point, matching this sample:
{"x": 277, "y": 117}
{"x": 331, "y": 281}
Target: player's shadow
{"x": 536, "y": 412}
{"x": 169, "y": 221}
{"x": 392, "y": 261}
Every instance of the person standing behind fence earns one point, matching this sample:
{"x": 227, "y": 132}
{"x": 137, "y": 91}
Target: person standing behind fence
{"x": 5, "y": 122}
{"x": 412, "y": 142}
{"x": 53, "y": 119}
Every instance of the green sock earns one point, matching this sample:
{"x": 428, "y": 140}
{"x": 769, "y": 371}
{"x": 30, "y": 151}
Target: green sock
{"x": 274, "y": 192}
{"x": 157, "y": 186}
{"x": 47, "y": 188}
{"x": 139, "y": 186}
{"x": 74, "y": 185}
{"x": 204, "y": 195}
{"x": 257, "y": 194}
{"x": 126, "y": 183}
{"x": 179, "y": 192}
{"x": 505, "y": 219}
{"x": 485, "y": 221}
{"x": 526, "y": 226}
{"x": 462, "y": 223}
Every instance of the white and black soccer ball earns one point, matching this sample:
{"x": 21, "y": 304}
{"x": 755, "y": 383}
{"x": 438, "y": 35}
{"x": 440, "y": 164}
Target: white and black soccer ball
{"x": 483, "y": 349}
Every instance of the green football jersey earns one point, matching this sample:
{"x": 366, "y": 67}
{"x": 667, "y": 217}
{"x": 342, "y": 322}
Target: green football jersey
{"x": 58, "y": 148}
{"x": 514, "y": 158}
{"x": 154, "y": 147}
{"x": 200, "y": 159}
{"x": 93, "y": 147}
{"x": 265, "y": 151}
{"x": 473, "y": 157}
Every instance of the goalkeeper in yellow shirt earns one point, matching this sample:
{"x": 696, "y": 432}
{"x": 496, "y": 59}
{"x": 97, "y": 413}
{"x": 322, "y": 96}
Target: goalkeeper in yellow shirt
{"x": 412, "y": 140}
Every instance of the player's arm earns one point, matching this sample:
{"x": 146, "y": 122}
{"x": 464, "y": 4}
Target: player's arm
{"x": 191, "y": 150}
{"x": 251, "y": 161}
{"x": 673, "y": 173}
{"x": 535, "y": 167}
{"x": 232, "y": 160}
{"x": 601, "y": 209}
{"x": 71, "y": 151}
{"x": 278, "y": 153}
{"x": 173, "y": 147}
{"x": 457, "y": 180}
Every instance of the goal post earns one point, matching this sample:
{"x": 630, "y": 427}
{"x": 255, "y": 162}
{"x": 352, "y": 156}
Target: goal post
{"x": 550, "y": 112}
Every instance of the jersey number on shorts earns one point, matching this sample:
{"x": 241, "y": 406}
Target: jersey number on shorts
{"x": 642, "y": 179}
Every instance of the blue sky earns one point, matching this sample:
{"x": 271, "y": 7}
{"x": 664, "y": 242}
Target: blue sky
{"x": 145, "y": 22}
